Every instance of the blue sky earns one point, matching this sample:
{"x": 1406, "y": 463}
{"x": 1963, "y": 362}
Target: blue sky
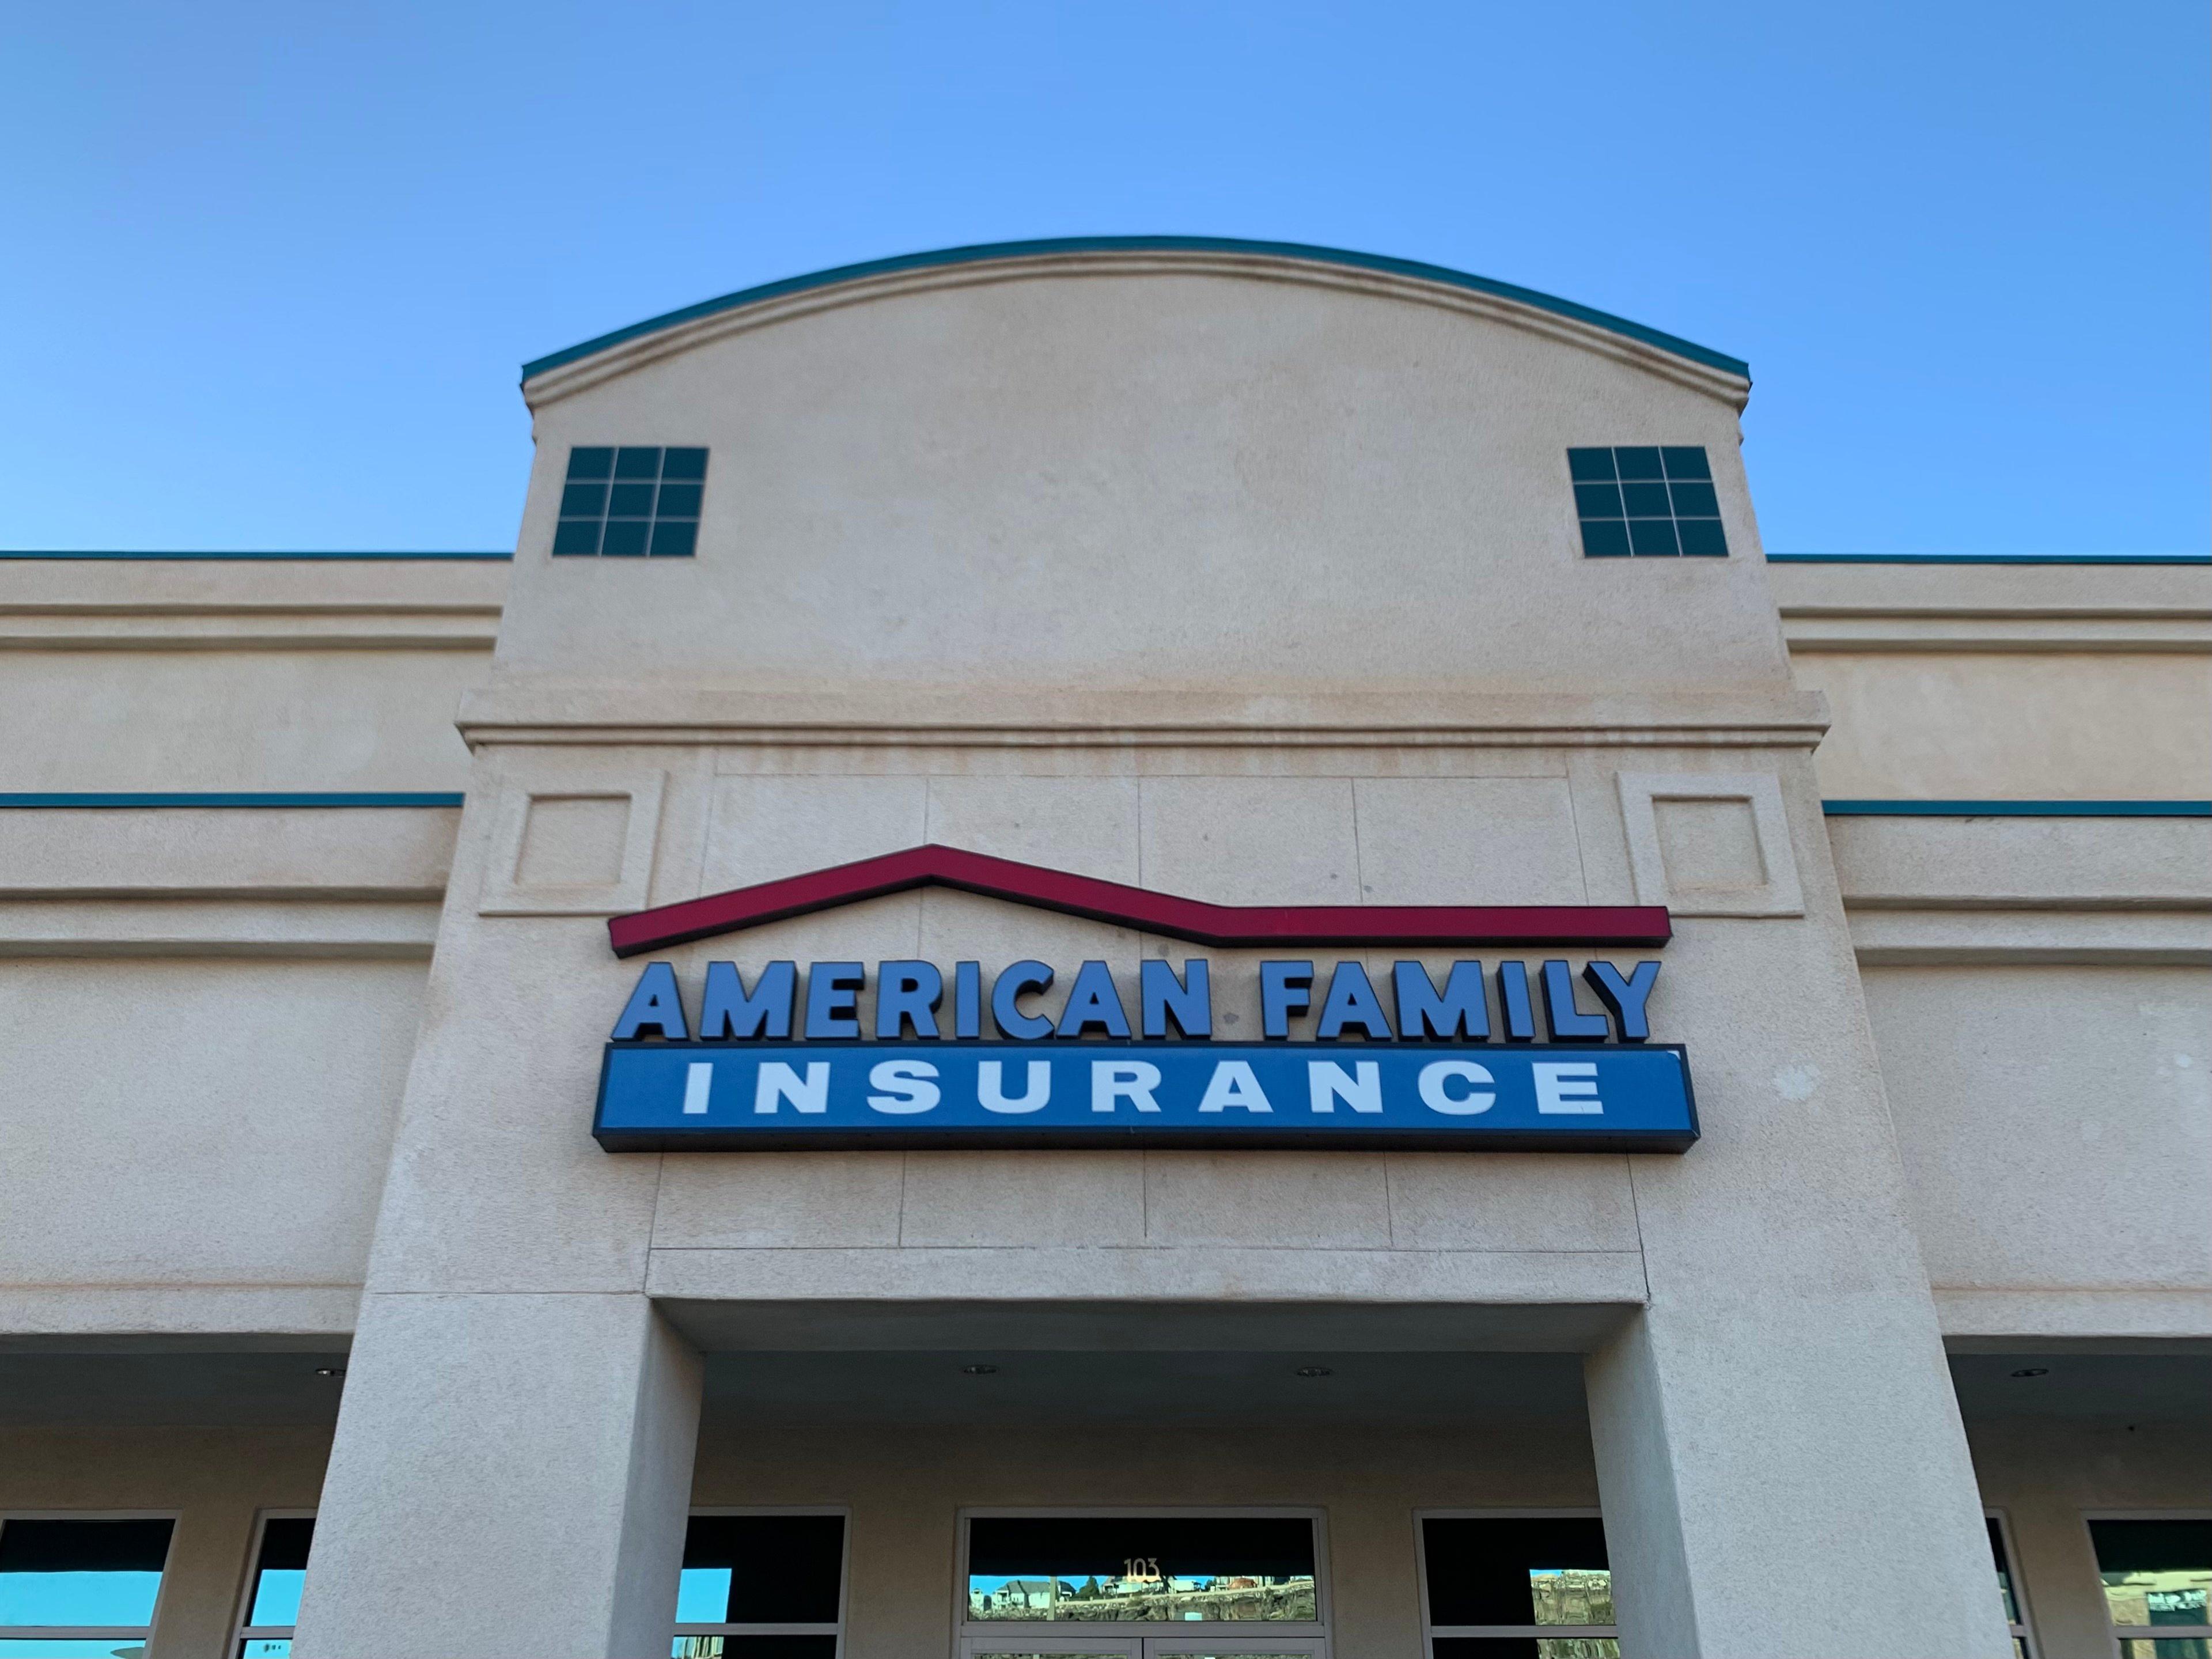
{"x": 269, "y": 269}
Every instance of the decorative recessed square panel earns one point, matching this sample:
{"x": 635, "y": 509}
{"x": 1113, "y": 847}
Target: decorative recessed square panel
{"x": 1711, "y": 843}
{"x": 579, "y": 849}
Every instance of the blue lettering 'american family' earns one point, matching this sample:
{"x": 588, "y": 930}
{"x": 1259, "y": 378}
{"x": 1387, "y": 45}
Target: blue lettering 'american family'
{"x": 911, "y": 998}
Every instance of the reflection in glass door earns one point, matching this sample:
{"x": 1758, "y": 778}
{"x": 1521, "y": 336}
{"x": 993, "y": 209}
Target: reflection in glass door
{"x": 1143, "y": 1585}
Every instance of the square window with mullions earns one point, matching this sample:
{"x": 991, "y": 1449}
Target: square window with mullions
{"x": 633, "y": 502}
{"x": 1646, "y": 500}
{"x": 760, "y": 1585}
{"x": 1494, "y": 1586}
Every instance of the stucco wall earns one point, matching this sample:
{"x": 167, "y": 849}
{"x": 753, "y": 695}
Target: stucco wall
{"x": 1989, "y": 726}
{"x": 195, "y": 1125}
{"x": 2056, "y": 1123}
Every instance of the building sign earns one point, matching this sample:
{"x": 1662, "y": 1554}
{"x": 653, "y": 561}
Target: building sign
{"x": 1507, "y": 1055}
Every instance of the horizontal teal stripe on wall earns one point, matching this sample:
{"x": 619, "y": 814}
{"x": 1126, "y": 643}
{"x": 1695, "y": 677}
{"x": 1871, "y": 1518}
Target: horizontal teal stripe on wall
{"x": 282, "y": 798}
{"x": 35, "y": 553}
{"x": 2018, "y": 809}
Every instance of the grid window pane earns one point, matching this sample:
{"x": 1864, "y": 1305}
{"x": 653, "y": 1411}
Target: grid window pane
{"x": 626, "y": 502}
{"x": 1666, "y": 493}
{"x": 577, "y": 536}
{"x": 624, "y": 539}
{"x": 1599, "y": 500}
{"x": 1702, "y": 538}
{"x": 81, "y": 1572}
{"x": 1605, "y": 538}
{"x": 1695, "y": 500}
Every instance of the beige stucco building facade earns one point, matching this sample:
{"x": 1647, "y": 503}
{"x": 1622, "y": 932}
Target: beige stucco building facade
{"x": 1249, "y": 576}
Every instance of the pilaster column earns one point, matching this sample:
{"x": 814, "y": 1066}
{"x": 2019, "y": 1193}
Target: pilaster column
{"x": 512, "y": 1474}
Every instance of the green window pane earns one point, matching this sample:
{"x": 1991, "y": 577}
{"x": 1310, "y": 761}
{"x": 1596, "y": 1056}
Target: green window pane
{"x": 1650, "y": 537}
{"x": 1605, "y": 538}
{"x": 591, "y": 464}
{"x": 1695, "y": 500}
{"x": 1702, "y": 538}
{"x": 688, "y": 463}
{"x": 577, "y": 536}
{"x": 637, "y": 463}
{"x": 1591, "y": 465}
{"x": 624, "y": 539}
{"x": 1598, "y": 500}
{"x": 1637, "y": 462}
{"x": 676, "y": 539}
{"x": 1686, "y": 463}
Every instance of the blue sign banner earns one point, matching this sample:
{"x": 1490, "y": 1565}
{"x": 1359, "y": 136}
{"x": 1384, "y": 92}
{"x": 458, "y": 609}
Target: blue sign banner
{"x": 736, "y": 1096}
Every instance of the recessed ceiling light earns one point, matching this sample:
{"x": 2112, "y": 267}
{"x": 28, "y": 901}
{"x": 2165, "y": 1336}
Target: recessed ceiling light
{"x": 2033, "y": 1371}
{"x": 979, "y": 1371}
{"x": 1315, "y": 1370}
{"x": 329, "y": 1370}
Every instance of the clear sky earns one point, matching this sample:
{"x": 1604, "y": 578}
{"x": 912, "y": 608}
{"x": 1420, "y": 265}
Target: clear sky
{"x": 268, "y": 269}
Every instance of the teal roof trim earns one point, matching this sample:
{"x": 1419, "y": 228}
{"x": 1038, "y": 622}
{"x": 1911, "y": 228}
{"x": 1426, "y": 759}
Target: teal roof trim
{"x": 41, "y": 553}
{"x": 984, "y": 252}
{"x": 1988, "y": 558}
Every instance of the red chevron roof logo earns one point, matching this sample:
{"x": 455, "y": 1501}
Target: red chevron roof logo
{"x": 1223, "y": 926}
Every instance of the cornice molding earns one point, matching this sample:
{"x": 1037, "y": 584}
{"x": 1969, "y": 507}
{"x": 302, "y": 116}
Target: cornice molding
{"x": 541, "y": 712}
{"x": 549, "y": 380}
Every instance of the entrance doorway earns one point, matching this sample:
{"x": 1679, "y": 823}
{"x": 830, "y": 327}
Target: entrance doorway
{"x": 1142, "y": 1585}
